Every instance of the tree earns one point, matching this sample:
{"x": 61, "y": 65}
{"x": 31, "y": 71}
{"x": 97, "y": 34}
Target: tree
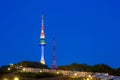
{"x": 32, "y": 64}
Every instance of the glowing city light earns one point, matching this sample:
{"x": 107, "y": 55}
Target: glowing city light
{"x": 16, "y": 78}
{"x": 88, "y": 79}
{"x": 40, "y": 71}
{"x": 90, "y": 76}
{"x": 75, "y": 74}
{"x": 57, "y": 72}
{"x": 5, "y": 79}
{"x": 23, "y": 69}
{"x": 9, "y": 69}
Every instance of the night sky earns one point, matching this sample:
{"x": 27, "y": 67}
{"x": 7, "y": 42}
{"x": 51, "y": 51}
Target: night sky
{"x": 86, "y": 31}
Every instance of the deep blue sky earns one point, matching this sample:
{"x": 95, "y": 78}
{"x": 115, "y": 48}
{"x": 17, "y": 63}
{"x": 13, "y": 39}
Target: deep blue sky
{"x": 86, "y": 31}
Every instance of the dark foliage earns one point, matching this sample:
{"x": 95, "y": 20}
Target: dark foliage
{"x": 102, "y": 68}
{"x": 76, "y": 67}
{"x": 117, "y": 71}
{"x": 4, "y": 69}
{"x": 32, "y": 64}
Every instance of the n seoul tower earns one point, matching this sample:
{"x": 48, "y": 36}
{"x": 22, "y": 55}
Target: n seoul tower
{"x": 42, "y": 42}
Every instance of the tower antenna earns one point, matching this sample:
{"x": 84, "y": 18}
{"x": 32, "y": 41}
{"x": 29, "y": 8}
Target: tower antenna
{"x": 54, "y": 66}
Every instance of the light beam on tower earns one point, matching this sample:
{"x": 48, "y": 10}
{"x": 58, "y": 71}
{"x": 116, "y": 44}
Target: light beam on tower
{"x": 42, "y": 42}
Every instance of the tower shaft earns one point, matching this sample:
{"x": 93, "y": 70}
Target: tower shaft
{"x": 42, "y": 55}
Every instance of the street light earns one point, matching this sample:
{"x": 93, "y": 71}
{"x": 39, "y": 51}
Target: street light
{"x": 57, "y": 72}
{"x": 90, "y": 77}
{"x": 5, "y": 79}
{"x": 40, "y": 70}
{"x": 23, "y": 69}
{"x": 75, "y": 74}
{"x": 16, "y": 78}
{"x": 9, "y": 69}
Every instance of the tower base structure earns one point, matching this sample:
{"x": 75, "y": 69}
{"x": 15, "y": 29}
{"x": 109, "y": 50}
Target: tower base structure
{"x": 42, "y": 61}
{"x": 54, "y": 67}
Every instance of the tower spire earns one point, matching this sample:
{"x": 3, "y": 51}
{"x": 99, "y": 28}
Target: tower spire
{"x": 42, "y": 28}
{"x": 42, "y": 20}
{"x": 42, "y": 42}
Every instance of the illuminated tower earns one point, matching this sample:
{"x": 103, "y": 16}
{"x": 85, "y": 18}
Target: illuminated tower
{"x": 42, "y": 42}
{"x": 54, "y": 66}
